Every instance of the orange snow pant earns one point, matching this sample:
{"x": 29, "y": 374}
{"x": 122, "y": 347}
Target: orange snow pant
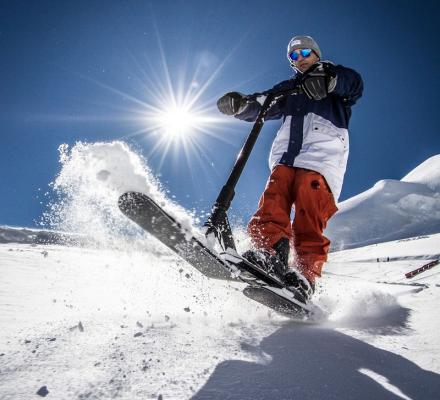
{"x": 313, "y": 203}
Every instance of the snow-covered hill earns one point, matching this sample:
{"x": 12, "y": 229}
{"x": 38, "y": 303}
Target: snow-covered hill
{"x": 390, "y": 210}
{"x": 102, "y": 324}
{"x": 124, "y": 318}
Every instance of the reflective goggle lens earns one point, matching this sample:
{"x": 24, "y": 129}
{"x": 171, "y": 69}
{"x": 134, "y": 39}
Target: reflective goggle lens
{"x": 304, "y": 53}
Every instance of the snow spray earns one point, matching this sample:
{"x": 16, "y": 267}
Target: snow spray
{"x": 92, "y": 177}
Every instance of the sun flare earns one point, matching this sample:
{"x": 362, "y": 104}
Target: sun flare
{"x": 175, "y": 113}
{"x": 178, "y": 122}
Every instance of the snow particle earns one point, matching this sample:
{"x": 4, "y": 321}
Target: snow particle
{"x": 80, "y": 327}
{"x": 187, "y": 309}
{"x": 43, "y": 392}
{"x": 138, "y": 334}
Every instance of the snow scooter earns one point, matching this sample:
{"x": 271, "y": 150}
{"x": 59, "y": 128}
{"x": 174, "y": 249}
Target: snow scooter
{"x": 227, "y": 264}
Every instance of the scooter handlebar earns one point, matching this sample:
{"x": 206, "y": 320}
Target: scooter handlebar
{"x": 275, "y": 93}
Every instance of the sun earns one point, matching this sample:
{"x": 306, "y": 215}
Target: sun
{"x": 178, "y": 127}
{"x": 173, "y": 111}
{"x": 178, "y": 122}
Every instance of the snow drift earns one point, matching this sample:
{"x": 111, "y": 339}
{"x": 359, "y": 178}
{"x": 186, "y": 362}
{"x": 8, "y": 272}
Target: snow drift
{"x": 390, "y": 210}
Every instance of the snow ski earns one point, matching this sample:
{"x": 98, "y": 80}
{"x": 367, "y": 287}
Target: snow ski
{"x": 261, "y": 287}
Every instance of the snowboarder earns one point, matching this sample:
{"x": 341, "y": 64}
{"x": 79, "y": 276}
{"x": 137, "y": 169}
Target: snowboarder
{"x": 308, "y": 161}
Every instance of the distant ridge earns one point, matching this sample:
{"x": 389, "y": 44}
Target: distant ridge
{"x": 10, "y": 234}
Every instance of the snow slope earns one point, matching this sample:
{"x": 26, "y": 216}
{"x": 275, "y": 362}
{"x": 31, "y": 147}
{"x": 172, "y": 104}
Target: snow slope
{"x": 390, "y": 210}
{"x": 124, "y": 318}
{"x": 101, "y": 324}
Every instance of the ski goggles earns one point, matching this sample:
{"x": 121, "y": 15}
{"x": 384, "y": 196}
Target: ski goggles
{"x": 293, "y": 56}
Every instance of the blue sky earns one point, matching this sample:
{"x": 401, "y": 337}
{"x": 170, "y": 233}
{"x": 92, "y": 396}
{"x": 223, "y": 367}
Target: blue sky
{"x": 82, "y": 70}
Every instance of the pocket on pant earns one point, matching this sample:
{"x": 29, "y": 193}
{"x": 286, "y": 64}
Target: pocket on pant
{"x": 326, "y": 199}
{"x": 330, "y": 208}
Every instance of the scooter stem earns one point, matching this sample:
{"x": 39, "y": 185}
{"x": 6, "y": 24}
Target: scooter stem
{"x": 218, "y": 222}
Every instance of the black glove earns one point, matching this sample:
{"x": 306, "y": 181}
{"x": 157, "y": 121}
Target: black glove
{"x": 231, "y": 103}
{"x": 318, "y": 81}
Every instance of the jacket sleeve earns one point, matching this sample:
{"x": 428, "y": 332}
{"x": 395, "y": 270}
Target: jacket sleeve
{"x": 349, "y": 84}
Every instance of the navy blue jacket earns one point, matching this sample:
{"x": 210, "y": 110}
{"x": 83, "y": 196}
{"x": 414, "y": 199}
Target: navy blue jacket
{"x": 314, "y": 134}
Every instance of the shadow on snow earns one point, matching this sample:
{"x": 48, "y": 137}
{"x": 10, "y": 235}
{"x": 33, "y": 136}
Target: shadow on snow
{"x": 309, "y": 362}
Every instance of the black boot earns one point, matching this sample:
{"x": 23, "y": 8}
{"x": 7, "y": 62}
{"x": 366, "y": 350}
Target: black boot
{"x": 281, "y": 264}
{"x": 260, "y": 258}
{"x": 295, "y": 280}
{"x": 272, "y": 264}
{"x": 278, "y": 265}
{"x": 290, "y": 276}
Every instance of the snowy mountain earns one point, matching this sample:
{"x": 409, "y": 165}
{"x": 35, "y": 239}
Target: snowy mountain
{"x": 9, "y": 234}
{"x": 390, "y": 210}
{"x": 123, "y": 317}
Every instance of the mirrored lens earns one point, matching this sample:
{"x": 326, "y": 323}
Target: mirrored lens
{"x": 304, "y": 53}
{"x": 294, "y": 56}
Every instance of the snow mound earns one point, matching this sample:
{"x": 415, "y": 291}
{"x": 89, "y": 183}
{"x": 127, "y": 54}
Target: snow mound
{"x": 427, "y": 173}
{"x": 390, "y": 210}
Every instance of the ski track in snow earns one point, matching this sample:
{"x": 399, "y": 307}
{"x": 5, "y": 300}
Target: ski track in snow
{"x": 122, "y": 317}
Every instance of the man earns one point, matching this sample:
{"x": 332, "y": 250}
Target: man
{"x": 307, "y": 160}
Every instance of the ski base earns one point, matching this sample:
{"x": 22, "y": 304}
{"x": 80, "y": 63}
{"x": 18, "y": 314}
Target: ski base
{"x": 152, "y": 218}
{"x": 268, "y": 297}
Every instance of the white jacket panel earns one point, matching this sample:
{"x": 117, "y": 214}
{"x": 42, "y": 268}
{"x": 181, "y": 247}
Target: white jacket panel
{"x": 324, "y": 149}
